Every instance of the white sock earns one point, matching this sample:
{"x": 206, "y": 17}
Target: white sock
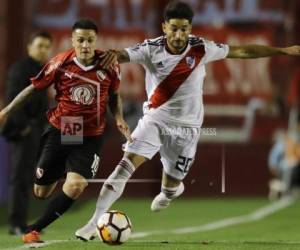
{"x": 113, "y": 188}
{"x": 170, "y": 192}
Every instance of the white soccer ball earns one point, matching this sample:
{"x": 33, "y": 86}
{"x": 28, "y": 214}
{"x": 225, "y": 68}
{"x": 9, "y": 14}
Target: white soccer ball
{"x": 114, "y": 227}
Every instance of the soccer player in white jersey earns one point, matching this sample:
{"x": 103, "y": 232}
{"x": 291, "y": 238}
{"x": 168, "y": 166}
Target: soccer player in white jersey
{"x": 175, "y": 69}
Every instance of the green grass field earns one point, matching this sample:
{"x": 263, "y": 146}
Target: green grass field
{"x": 278, "y": 230}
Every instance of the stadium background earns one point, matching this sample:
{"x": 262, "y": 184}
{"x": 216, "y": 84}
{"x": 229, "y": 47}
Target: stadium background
{"x": 246, "y": 101}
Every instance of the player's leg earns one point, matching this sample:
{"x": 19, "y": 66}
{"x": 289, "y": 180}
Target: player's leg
{"x": 145, "y": 145}
{"x": 82, "y": 163}
{"x": 50, "y": 168}
{"x": 177, "y": 156}
{"x": 42, "y": 192}
{"x": 57, "y": 206}
{"x": 171, "y": 188}
{"x": 111, "y": 190}
{"x": 72, "y": 188}
{"x": 114, "y": 186}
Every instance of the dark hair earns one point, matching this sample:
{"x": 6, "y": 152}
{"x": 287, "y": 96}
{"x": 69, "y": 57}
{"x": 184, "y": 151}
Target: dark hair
{"x": 42, "y": 33}
{"x": 85, "y": 24}
{"x": 177, "y": 9}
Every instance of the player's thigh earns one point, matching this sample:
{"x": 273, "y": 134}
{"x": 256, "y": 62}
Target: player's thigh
{"x": 51, "y": 158}
{"x": 178, "y": 152}
{"x": 84, "y": 159}
{"x": 146, "y": 139}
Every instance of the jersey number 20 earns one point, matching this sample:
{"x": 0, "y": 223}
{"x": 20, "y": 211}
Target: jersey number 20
{"x": 183, "y": 164}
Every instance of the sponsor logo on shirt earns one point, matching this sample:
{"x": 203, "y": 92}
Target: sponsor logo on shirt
{"x": 69, "y": 75}
{"x": 160, "y": 65}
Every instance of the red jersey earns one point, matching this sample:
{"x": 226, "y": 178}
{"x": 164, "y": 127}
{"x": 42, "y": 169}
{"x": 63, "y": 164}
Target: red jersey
{"x": 81, "y": 91}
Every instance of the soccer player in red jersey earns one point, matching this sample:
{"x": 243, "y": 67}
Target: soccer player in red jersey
{"x": 72, "y": 141}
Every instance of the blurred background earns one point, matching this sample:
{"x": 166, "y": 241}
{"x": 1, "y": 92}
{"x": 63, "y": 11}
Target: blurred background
{"x": 246, "y": 101}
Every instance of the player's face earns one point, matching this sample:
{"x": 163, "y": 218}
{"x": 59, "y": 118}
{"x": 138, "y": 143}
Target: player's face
{"x": 84, "y": 43}
{"x": 177, "y": 32}
{"x": 39, "y": 49}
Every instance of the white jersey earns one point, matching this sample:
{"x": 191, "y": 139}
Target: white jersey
{"x": 174, "y": 82}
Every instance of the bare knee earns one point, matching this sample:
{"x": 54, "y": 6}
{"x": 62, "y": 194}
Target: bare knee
{"x": 43, "y": 192}
{"x": 40, "y": 193}
{"x": 74, "y": 186}
{"x": 135, "y": 159}
{"x": 74, "y": 189}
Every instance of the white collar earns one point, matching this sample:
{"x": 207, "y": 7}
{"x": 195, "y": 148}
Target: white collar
{"x": 85, "y": 68}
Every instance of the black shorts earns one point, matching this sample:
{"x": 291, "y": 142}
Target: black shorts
{"x": 55, "y": 159}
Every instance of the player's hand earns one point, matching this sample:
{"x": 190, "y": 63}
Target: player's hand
{"x": 3, "y": 117}
{"x": 108, "y": 59}
{"x": 124, "y": 129}
{"x": 292, "y": 50}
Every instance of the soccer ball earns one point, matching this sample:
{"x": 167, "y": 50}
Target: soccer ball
{"x": 114, "y": 227}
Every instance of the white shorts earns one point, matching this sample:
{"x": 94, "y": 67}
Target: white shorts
{"x": 177, "y": 145}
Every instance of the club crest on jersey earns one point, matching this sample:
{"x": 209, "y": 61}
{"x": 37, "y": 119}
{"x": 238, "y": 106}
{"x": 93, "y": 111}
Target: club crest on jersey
{"x": 101, "y": 75}
{"x": 190, "y": 60}
{"x": 83, "y": 94}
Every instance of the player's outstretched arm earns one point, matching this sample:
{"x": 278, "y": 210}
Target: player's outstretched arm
{"x": 257, "y": 51}
{"x": 16, "y": 103}
{"x": 116, "y": 107}
{"x": 111, "y": 57}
